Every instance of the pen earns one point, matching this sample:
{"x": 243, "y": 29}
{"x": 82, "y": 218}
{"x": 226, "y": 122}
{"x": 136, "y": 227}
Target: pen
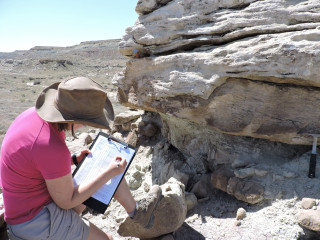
{"x": 118, "y": 159}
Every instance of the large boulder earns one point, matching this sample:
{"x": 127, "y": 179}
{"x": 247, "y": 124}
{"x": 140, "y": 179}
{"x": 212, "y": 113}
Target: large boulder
{"x": 169, "y": 215}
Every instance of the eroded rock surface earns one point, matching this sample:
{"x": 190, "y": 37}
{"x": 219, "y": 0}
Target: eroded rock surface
{"x": 169, "y": 215}
{"x": 247, "y": 68}
{"x": 235, "y": 83}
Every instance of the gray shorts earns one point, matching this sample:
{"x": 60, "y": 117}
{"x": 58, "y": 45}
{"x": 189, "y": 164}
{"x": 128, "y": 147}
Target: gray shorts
{"x": 51, "y": 223}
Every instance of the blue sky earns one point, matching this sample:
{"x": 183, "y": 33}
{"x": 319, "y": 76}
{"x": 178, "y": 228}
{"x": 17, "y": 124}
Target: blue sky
{"x": 28, "y": 23}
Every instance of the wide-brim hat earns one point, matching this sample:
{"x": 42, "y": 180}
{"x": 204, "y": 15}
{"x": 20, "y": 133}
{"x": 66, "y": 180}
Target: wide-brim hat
{"x": 76, "y": 100}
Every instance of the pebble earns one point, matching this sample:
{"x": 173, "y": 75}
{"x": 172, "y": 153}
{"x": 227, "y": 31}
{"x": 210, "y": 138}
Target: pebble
{"x": 241, "y": 213}
{"x": 308, "y": 203}
{"x": 237, "y": 223}
{"x": 146, "y": 187}
{"x": 244, "y": 173}
{"x": 191, "y": 200}
{"x": 288, "y": 174}
{"x": 138, "y": 167}
{"x": 260, "y": 173}
{"x": 238, "y": 163}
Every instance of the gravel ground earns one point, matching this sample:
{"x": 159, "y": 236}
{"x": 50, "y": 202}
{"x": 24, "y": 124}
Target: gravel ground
{"x": 214, "y": 218}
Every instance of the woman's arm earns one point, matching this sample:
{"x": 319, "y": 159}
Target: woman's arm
{"x": 66, "y": 196}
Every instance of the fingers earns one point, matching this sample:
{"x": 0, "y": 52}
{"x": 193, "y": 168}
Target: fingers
{"x": 118, "y": 160}
{"x": 84, "y": 151}
{"x": 121, "y": 162}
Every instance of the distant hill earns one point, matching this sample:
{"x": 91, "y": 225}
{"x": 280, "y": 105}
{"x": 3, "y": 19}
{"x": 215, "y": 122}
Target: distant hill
{"x": 24, "y": 74}
{"x": 90, "y": 49}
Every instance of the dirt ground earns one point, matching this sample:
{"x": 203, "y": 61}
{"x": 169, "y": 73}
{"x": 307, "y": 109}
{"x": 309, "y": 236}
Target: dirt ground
{"x": 214, "y": 218}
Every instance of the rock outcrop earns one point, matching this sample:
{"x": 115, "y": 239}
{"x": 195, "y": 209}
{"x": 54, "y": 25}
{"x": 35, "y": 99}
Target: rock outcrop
{"x": 241, "y": 67}
{"x": 229, "y": 78}
{"x": 236, "y": 84}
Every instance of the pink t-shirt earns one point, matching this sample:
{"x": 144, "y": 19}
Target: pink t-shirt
{"x": 33, "y": 150}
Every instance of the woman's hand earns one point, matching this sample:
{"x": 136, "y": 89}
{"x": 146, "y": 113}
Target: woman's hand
{"x": 117, "y": 166}
{"x": 82, "y": 154}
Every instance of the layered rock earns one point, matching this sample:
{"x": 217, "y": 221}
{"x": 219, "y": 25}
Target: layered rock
{"x": 246, "y": 68}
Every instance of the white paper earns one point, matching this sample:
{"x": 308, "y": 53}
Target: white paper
{"x": 102, "y": 153}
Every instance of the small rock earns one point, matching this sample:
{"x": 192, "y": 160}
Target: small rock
{"x": 149, "y": 130}
{"x": 289, "y": 174}
{"x": 277, "y": 177}
{"x": 200, "y": 188}
{"x": 191, "y": 200}
{"x": 239, "y": 163}
{"x": 33, "y": 83}
{"x": 169, "y": 170}
{"x": 146, "y": 187}
{"x": 132, "y": 138}
{"x": 309, "y": 219}
{"x": 9, "y": 61}
{"x": 146, "y": 167}
{"x": 116, "y": 128}
{"x": 134, "y": 125}
{"x": 126, "y": 126}
{"x": 127, "y": 116}
{"x": 149, "y": 150}
{"x": 308, "y": 203}
{"x": 138, "y": 167}
{"x": 85, "y": 139}
{"x": 241, "y": 213}
{"x": 244, "y": 190}
{"x": 220, "y": 178}
{"x": 244, "y": 173}
{"x": 260, "y": 173}
{"x": 118, "y": 136}
{"x": 135, "y": 180}
{"x": 237, "y": 223}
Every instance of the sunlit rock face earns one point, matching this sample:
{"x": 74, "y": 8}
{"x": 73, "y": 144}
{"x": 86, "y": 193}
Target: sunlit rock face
{"x": 242, "y": 72}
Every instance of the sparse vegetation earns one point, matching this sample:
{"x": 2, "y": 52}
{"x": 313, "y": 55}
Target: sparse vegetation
{"x": 42, "y": 67}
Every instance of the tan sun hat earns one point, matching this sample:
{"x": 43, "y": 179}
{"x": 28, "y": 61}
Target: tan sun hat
{"x": 76, "y": 100}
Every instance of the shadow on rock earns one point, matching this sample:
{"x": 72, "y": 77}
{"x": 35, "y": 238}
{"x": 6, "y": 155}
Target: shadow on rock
{"x": 309, "y": 235}
{"x": 186, "y": 232}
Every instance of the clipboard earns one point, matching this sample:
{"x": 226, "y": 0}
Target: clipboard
{"x": 103, "y": 150}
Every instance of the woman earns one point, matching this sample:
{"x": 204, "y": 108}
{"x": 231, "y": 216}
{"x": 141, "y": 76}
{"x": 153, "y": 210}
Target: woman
{"x": 39, "y": 197}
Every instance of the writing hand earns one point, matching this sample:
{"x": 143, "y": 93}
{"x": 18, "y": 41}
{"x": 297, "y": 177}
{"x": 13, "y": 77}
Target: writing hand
{"x": 117, "y": 165}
